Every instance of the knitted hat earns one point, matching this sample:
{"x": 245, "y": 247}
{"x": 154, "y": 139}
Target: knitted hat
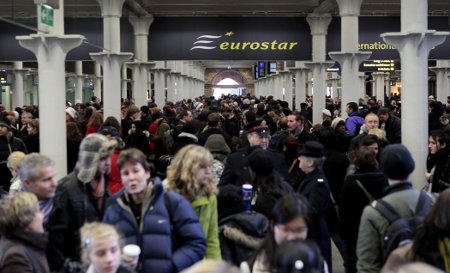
{"x": 261, "y": 161}
{"x": 216, "y": 144}
{"x": 93, "y": 148}
{"x": 336, "y": 121}
{"x": 396, "y": 162}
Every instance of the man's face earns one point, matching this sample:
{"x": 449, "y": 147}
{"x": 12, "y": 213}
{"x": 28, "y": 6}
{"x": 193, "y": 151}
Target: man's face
{"x": 293, "y": 123}
{"x": 44, "y": 186}
{"x": 371, "y": 121}
{"x": 258, "y": 140}
{"x": 25, "y": 119}
{"x": 383, "y": 117}
{"x": 188, "y": 117}
{"x": 348, "y": 110}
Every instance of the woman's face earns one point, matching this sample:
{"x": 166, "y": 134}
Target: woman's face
{"x": 104, "y": 254}
{"x": 37, "y": 225}
{"x": 134, "y": 177}
{"x": 434, "y": 145}
{"x": 294, "y": 229}
{"x": 204, "y": 174}
{"x": 133, "y": 128}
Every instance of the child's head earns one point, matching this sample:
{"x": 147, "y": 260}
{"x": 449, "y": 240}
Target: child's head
{"x": 101, "y": 247}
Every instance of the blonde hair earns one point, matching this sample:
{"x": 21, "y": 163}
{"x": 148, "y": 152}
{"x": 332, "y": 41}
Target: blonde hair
{"x": 380, "y": 133}
{"x": 183, "y": 171}
{"x": 17, "y": 211}
{"x": 94, "y": 231}
{"x": 14, "y": 159}
{"x": 212, "y": 266}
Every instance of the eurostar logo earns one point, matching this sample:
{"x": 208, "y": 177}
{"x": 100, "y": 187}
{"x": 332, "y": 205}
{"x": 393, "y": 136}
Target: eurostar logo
{"x": 210, "y": 42}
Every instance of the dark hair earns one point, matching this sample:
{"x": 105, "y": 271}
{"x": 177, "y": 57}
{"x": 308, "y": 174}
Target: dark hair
{"x": 213, "y": 119}
{"x": 383, "y": 111}
{"x": 286, "y": 209}
{"x": 369, "y": 140}
{"x": 113, "y": 122}
{"x": 365, "y": 158}
{"x": 439, "y": 136}
{"x": 298, "y": 256}
{"x": 73, "y": 132}
{"x": 353, "y": 105}
{"x": 439, "y": 214}
{"x": 134, "y": 156}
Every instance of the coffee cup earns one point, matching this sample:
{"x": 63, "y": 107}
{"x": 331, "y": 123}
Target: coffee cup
{"x": 132, "y": 251}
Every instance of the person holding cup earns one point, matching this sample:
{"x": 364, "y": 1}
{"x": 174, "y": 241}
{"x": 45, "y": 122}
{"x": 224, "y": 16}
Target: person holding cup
{"x": 162, "y": 224}
{"x": 101, "y": 249}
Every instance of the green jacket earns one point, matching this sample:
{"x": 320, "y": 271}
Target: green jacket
{"x": 373, "y": 227}
{"x": 206, "y": 210}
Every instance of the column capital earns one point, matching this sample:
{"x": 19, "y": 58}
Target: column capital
{"x": 318, "y": 23}
{"x": 106, "y": 57}
{"x": 320, "y": 65}
{"x": 111, "y": 8}
{"x": 420, "y": 40}
{"x": 141, "y": 25}
{"x": 349, "y": 7}
{"x": 49, "y": 43}
{"x": 352, "y": 57}
{"x": 299, "y": 69}
{"x": 148, "y": 65}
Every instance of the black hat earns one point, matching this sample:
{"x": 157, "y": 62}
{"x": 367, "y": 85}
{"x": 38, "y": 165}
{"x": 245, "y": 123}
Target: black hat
{"x": 396, "y": 162}
{"x": 311, "y": 149}
{"x": 257, "y": 126}
{"x": 261, "y": 161}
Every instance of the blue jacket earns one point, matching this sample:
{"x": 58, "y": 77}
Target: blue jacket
{"x": 170, "y": 239}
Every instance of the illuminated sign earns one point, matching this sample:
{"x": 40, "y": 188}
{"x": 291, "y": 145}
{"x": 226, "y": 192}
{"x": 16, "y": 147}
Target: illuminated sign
{"x": 379, "y": 66}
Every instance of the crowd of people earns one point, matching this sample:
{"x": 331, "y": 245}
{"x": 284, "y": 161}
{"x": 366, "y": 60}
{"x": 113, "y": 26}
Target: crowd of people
{"x": 170, "y": 179}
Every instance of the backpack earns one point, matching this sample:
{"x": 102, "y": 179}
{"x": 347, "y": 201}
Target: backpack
{"x": 401, "y": 230}
{"x": 276, "y": 141}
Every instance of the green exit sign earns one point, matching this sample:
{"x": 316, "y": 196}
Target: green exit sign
{"x": 47, "y": 15}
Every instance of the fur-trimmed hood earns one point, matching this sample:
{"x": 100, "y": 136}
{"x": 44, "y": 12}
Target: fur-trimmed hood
{"x": 240, "y": 237}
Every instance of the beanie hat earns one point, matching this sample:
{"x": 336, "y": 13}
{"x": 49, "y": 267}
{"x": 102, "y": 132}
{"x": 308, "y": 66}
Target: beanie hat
{"x": 336, "y": 121}
{"x": 216, "y": 144}
{"x": 396, "y": 162}
{"x": 71, "y": 112}
{"x": 93, "y": 148}
{"x": 261, "y": 161}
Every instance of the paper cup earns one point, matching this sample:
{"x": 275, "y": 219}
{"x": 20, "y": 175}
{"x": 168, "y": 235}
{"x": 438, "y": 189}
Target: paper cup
{"x": 132, "y": 251}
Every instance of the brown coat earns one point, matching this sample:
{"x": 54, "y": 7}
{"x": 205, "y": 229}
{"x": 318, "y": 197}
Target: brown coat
{"x": 23, "y": 252}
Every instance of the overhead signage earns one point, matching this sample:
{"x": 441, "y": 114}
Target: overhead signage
{"x": 225, "y": 38}
{"x": 47, "y": 15}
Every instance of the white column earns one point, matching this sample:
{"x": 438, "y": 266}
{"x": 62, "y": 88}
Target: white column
{"x": 320, "y": 88}
{"x": 334, "y": 83}
{"x": 379, "y": 85}
{"x": 309, "y": 84}
{"x": 362, "y": 84}
{"x": 140, "y": 81}
{"x": 124, "y": 83}
{"x": 98, "y": 81}
{"x": 287, "y": 87}
{"x": 414, "y": 43}
{"x": 79, "y": 81}
{"x": 141, "y": 27}
{"x": 17, "y": 85}
{"x": 349, "y": 57}
{"x": 300, "y": 74}
{"x": 50, "y": 53}
{"x": 111, "y": 13}
{"x": 442, "y": 70}
{"x": 160, "y": 85}
{"x": 111, "y": 64}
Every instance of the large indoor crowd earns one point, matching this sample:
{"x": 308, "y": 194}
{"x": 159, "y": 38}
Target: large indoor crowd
{"x": 236, "y": 184}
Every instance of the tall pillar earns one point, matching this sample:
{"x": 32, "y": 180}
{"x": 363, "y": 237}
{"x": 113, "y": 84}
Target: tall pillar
{"x": 111, "y": 13}
{"x": 124, "y": 83}
{"x": 50, "y": 53}
{"x": 362, "y": 85}
{"x": 334, "y": 83}
{"x": 349, "y": 57}
{"x": 111, "y": 59}
{"x": 98, "y": 81}
{"x": 442, "y": 70}
{"x": 17, "y": 85}
{"x": 79, "y": 81}
{"x": 309, "y": 84}
{"x": 320, "y": 88}
{"x": 140, "y": 81}
{"x": 286, "y": 79}
{"x": 414, "y": 43}
{"x": 160, "y": 85}
{"x": 379, "y": 85}
{"x": 300, "y": 74}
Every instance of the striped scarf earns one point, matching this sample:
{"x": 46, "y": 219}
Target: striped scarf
{"x": 46, "y": 207}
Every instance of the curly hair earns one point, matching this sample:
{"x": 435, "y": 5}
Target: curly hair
{"x": 182, "y": 174}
